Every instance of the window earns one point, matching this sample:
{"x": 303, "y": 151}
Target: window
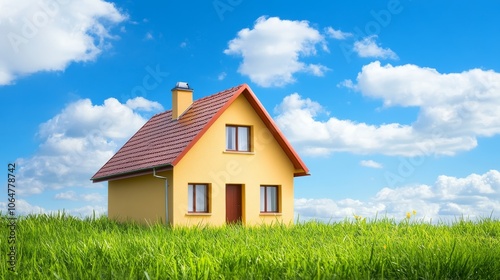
{"x": 238, "y": 138}
{"x": 268, "y": 199}
{"x": 198, "y": 198}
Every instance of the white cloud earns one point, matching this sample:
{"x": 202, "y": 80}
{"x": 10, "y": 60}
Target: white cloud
{"x": 49, "y": 35}
{"x": 370, "y": 163}
{"x": 337, "y": 34}
{"x": 78, "y": 141}
{"x": 297, "y": 119}
{"x": 23, "y": 207}
{"x": 474, "y": 185}
{"x": 454, "y": 110}
{"x": 142, "y": 104}
{"x": 346, "y": 83}
{"x": 367, "y": 47}
{"x": 92, "y": 197}
{"x": 69, "y": 195}
{"x": 458, "y": 104}
{"x": 317, "y": 69}
{"x": 474, "y": 196}
{"x": 325, "y": 209}
{"x": 74, "y": 196}
{"x": 273, "y": 49}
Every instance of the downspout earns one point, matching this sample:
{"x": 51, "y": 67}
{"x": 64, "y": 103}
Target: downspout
{"x": 166, "y": 193}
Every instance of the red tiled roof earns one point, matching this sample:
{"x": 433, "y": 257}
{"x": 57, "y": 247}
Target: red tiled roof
{"x": 161, "y": 142}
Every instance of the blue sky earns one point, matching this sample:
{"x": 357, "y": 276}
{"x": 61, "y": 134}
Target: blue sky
{"x": 393, "y": 105}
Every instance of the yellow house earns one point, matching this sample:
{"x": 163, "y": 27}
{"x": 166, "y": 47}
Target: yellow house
{"x": 220, "y": 159}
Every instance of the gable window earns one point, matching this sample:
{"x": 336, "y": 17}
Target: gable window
{"x": 268, "y": 199}
{"x": 238, "y": 138}
{"x": 198, "y": 198}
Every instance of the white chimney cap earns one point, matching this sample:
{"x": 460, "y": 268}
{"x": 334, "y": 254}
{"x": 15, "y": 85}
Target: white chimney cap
{"x": 182, "y": 85}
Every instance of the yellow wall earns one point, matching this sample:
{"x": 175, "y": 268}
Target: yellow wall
{"x": 141, "y": 199}
{"x": 207, "y": 162}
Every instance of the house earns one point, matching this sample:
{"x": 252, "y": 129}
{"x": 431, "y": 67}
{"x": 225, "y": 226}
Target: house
{"x": 220, "y": 159}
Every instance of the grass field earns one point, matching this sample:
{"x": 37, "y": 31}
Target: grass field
{"x": 63, "y": 247}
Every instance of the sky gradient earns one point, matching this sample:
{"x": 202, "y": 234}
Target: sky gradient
{"x": 393, "y": 105}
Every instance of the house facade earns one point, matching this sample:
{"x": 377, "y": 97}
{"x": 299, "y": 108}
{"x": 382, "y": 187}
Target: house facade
{"x": 220, "y": 159}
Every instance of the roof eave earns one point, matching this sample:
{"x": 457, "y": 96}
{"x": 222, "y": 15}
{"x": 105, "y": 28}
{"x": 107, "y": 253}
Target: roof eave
{"x": 133, "y": 173}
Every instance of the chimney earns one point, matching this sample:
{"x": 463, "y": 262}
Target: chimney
{"x": 182, "y": 98}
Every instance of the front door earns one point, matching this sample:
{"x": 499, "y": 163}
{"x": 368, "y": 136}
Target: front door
{"x": 233, "y": 204}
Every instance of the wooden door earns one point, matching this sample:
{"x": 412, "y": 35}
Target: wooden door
{"x": 233, "y": 203}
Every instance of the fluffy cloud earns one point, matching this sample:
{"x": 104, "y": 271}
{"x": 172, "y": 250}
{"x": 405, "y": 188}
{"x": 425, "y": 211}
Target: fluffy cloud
{"x": 474, "y": 196}
{"x": 297, "y": 118}
{"x": 142, "y": 104}
{"x": 74, "y": 196}
{"x": 367, "y": 47}
{"x": 455, "y": 109}
{"x": 81, "y": 138}
{"x": 48, "y": 35}
{"x": 459, "y": 104}
{"x": 271, "y": 51}
{"x": 337, "y": 34}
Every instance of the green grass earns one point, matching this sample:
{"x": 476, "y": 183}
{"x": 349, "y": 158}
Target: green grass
{"x": 63, "y": 247}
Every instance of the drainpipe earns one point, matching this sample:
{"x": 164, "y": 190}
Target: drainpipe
{"x": 166, "y": 193}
